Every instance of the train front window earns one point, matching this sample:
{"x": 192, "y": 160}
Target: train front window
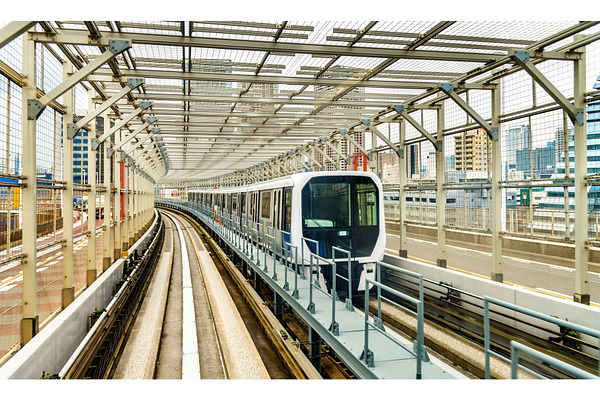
{"x": 326, "y": 205}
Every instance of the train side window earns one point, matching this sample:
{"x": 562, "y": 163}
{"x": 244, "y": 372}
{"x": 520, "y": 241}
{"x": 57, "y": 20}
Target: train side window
{"x": 243, "y": 203}
{"x": 265, "y": 205}
{"x": 287, "y": 209}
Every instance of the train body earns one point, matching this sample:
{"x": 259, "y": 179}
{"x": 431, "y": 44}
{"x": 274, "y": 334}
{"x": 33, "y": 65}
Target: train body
{"x": 333, "y": 209}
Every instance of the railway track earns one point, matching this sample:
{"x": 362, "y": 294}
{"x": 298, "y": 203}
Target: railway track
{"x": 281, "y": 358}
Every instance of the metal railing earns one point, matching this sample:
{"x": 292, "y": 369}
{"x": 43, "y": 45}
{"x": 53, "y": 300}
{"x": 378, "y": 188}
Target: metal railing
{"x": 486, "y": 319}
{"x": 419, "y": 346}
{"x": 348, "y": 302}
{"x": 516, "y": 347}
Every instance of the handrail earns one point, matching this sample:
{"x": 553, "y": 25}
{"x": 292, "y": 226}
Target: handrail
{"x": 486, "y": 316}
{"x": 349, "y": 304}
{"x": 516, "y": 347}
{"x": 419, "y": 352}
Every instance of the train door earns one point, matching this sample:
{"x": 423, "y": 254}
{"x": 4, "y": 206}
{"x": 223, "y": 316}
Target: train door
{"x": 266, "y": 206}
{"x": 243, "y": 207}
{"x": 287, "y": 213}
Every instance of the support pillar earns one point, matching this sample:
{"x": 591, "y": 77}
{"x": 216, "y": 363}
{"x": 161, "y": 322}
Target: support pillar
{"x": 68, "y": 290}
{"x": 314, "y": 349}
{"x": 91, "y": 264}
{"x": 440, "y": 179}
{"x": 107, "y": 255}
{"x": 117, "y": 203}
{"x": 402, "y": 250}
{"x": 582, "y": 289}
{"x": 496, "y": 206}
{"x": 30, "y": 320}
{"x": 278, "y": 306}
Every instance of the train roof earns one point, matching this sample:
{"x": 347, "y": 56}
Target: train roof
{"x": 291, "y": 180}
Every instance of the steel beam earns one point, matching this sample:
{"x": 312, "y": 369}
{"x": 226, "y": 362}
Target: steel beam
{"x": 371, "y": 127}
{"x": 402, "y": 250}
{"x": 68, "y": 287}
{"x": 346, "y": 135}
{"x": 133, "y": 134}
{"x": 131, "y": 84}
{"x": 79, "y": 37}
{"x": 260, "y": 100}
{"x": 144, "y": 105}
{"x": 448, "y": 88}
{"x": 30, "y": 319}
{"x": 13, "y": 29}
{"x": 522, "y": 58}
{"x": 496, "y": 206}
{"x": 116, "y": 47}
{"x": 437, "y": 143}
{"x": 440, "y": 195}
{"x": 91, "y": 245}
{"x": 582, "y": 289}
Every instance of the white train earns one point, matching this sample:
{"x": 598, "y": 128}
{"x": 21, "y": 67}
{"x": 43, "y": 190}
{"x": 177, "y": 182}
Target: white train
{"x": 341, "y": 209}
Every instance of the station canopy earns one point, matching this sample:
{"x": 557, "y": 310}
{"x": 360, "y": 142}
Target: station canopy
{"x": 231, "y": 95}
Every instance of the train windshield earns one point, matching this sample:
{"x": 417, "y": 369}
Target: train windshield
{"x": 341, "y": 211}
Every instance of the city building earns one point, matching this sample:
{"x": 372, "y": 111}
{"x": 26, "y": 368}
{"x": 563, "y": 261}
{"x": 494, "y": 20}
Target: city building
{"x": 471, "y": 149}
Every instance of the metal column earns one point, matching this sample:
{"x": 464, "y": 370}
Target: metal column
{"x": 91, "y": 264}
{"x": 30, "y": 319}
{"x": 496, "y": 205}
{"x": 117, "y": 202}
{"x": 402, "y": 251}
{"x": 582, "y": 290}
{"x": 68, "y": 289}
{"x": 440, "y": 178}
{"x": 107, "y": 259}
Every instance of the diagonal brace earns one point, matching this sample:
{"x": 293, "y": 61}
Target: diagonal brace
{"x": 311, "y": 158}
{"x": 116, "y": 47}
{"x": 144, "y": 105}
{"x": 367, "y": 123}
{"x": 323, "y": 153}
{"x": 132, "y": 83}
{"x": 334, "y": 148}
{"x": 145, "y": 139}
{"x": 345, "y": 135}
{"x": 13, "y": 29}
{"x": 448, "y": 88}
{"x": 521, "y": 58}
{"x": 129, "y": 137}
{"x": 402, "y": 111}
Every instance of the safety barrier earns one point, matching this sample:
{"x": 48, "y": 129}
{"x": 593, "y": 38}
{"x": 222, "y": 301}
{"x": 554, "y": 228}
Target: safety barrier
{"x": 486, "y": 319}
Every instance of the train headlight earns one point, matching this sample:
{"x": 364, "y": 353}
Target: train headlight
{"x": 369, "y": 267}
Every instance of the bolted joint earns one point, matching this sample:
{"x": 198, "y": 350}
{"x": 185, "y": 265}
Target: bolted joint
{"x": 110, "y": 152}
{"x": 118, "y": 46}
{"x": 34, "y": 109}
{"x": 399, "y": 108}
{"x": 72, "y": 130}
{"x": 151, "y": 120}
{"x": 134, "y": 82}
{"x": 144, "y": 105}
{"x": 522, "y": 56}
{"x": 447, "y": 87}
{"x": 366, "y": 121}
{"x": 343, "y": 131}
{"x": 578, "y": 116}
{"x": 155, "y": 131}
{"x": 438, "y": 145}
{"x": 95, "y": 144}
{"x": 494, "y": 134}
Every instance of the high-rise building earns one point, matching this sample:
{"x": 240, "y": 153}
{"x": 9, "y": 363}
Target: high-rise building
{"x": 471, "y": 150}
{"x": 517, "y": 138}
